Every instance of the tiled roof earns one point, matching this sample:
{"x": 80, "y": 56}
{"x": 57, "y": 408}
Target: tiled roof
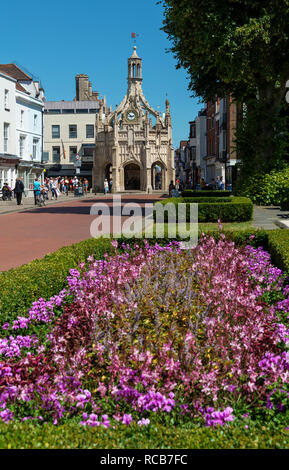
{"x": 15, "y": 72}
{"x": 20, "y": 88}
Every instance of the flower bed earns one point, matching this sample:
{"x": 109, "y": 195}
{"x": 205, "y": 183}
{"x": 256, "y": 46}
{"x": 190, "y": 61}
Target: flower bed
{"x": 152, "y": 333}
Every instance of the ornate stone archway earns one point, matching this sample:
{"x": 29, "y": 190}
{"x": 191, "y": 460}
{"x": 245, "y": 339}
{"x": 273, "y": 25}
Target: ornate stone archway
{"x": 132, "y": 177}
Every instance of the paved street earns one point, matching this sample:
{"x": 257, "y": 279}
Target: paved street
{"x": 32, "y": 233}
{"x": 267, "y": 217}
{"x": 7, "y": 207}
{"x": 28, "y": 233}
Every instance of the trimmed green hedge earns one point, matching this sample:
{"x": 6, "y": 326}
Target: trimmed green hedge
{"x": 238, "y": 209}
{"x": 278, "y": 247}
{"x": 205, "y": 193}
{"x": 199, "y": 200}
{"x": 73, "y": 436}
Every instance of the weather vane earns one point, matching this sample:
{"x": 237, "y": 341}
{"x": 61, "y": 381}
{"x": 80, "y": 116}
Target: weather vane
{"x": 134, "y": 36}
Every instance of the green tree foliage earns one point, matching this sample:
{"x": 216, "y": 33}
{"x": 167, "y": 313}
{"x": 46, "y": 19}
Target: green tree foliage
{"x": 237, "y": 47}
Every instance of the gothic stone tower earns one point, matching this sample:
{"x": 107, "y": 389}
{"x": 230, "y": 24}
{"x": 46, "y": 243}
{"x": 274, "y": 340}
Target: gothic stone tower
{"x": 134, "y": 152}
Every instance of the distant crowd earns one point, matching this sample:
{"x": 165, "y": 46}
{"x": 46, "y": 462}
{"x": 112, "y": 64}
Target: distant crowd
{"x": 179, "y": 185}
{"x": 50, "y": 188}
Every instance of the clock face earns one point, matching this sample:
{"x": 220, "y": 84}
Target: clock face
{"x": 131, "y": 116}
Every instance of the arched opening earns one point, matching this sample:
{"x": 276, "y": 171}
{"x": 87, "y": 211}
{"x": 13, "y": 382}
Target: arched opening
{"x": 132, "y": 177}
{"x": 138, "y": 70}
{"x": 108, "y": 174}
{"x": 158, "y": 176}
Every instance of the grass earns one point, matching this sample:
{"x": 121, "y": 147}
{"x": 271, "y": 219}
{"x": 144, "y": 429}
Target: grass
{"x": 73, "y": 436}
{"x": 210, "y": 226}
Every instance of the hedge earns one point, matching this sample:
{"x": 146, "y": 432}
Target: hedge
{"x": 205, "y": 193}
{"x": 278, "y": 247}
{"x": 199, "y": 200}
{"x": 238, "y": 209}
{"x": 266, "y": 188}
{"x": 73, "y": 436}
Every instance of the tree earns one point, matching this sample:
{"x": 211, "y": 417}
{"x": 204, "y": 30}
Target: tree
{"x": 237, "y": 47}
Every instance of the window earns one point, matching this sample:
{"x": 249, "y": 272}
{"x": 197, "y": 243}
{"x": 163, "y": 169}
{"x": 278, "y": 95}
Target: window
{"x": 55, "y": 132}
{"x": 68, "y": 111}
{"x": 87, "y": 154}
{"x": 72, "y": 153}
{"x": 93, "y": 110}
{"x": 89, "y": 131}
{"x": 22, "y": 145}
{"x": 81, "y": 111}
{"x": 6, "y": 136}
{"x": 31, "y": 179}
{"x": 6, "y": 100}
{"x": 21, "y": 118}
{"x": 45, "y": 157}
{"x": 56, "y": 154}
{"x": 35, "y": 148}
{"x": 193, "y": 130}
{"x": 72, "y": 131}
{"x": 35, "y": 121}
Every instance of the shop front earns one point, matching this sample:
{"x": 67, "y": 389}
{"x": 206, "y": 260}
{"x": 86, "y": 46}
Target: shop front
{"x": 8, "y": 170}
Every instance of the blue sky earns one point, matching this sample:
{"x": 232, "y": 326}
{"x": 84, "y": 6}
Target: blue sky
{"x": 58, "y": 39}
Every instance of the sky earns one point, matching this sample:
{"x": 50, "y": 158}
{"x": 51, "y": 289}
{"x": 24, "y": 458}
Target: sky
{"x": 58, "y": 39}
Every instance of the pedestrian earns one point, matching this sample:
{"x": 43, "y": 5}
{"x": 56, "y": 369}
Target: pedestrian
{"x": 106, "y": 186}
{"x": 171, "y": 188}
{"x": 66, "y": 185}
{"x": 19, "y": 190}
{"x": 54, "y": 188}
{"x": 203, "y": 184}
{"x": 221, "y": 184}
{"x": 86, "y": 185}
{"x": 36, "y": 189}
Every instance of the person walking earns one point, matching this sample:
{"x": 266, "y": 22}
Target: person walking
{"x": 106, "y": 186}
{"x": 66, "y": 185}
{"x": 54, "y": 189}
{"x": 36, "y": 189}
{"x": 203, "y": 184}
{"x": 19, "y": 190}
{"x": 171, "y": 188}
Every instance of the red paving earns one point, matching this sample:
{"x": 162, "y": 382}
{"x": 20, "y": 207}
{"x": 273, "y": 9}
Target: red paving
{"x": 32, "y": 234}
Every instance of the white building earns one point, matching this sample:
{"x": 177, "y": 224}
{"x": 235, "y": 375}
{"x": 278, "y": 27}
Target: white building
{"x": 8, "y": 152}
{"x": 22, "y": 127}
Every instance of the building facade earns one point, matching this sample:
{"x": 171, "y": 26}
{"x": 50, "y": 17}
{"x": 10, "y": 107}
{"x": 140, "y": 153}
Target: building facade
{"x": 180, "y": 161}
{"x": 133, "y": 146}
{"x": 9, "y": 158}
{"x": 201, "y": 144}
{"x": 22, "y": 122}
{"x": 69, "y": 131}
{"x": 221, "y": 158}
